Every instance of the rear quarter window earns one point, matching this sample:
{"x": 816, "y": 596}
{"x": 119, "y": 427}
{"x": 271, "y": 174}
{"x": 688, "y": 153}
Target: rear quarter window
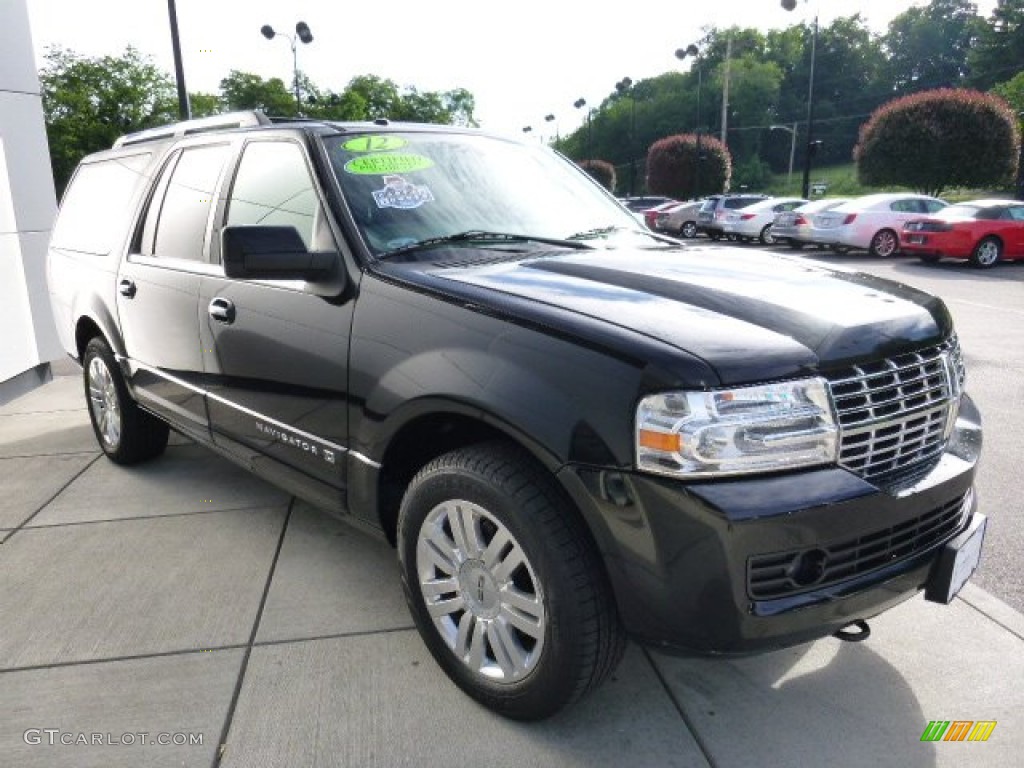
{"x": 96, "y": 209}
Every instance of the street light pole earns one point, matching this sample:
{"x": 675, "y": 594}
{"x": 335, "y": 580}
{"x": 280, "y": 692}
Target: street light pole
{"x": 789, "y": 5}
{"x": 792, "y": 147}
{"x": 579, "y": 104}
{"x": 184, "y": 112}
{"x": 694, "y": 52}
{"x": 624, "y": 86}
{"x": 303, "y": 35}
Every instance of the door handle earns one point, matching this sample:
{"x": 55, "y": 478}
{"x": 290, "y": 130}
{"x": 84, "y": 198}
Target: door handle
{"x": 126, "y": 288}
{"x": 222, "y": 310}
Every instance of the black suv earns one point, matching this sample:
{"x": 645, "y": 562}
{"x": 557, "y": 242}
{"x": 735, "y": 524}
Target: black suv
{"x": 570, "y": 428}
{"x": 711, "y": 217}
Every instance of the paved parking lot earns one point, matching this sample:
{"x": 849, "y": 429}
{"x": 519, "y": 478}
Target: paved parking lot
{"x": 190, "y": 602}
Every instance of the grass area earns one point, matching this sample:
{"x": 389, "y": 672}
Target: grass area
{"x": 842, "y": 182}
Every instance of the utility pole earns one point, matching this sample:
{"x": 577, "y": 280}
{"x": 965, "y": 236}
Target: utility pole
{"x": 725, "y": 88}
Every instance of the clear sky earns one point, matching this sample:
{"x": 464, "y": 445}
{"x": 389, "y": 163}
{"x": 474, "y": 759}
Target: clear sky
{"x": 521, "y": 61}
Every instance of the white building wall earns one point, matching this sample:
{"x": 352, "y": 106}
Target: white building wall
{"x": 28, "y": 340}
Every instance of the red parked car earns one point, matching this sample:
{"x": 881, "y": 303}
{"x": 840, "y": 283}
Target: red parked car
{"x": 981, "y": 231}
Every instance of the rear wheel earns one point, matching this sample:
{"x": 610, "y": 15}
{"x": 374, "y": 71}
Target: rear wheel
{"x": 884, "y": 244}
{"x": 504, "y": 583}
{"x": 766, "y": 237}
{"x": 125, "y": 432}
{"x": 987, "y": 253}
{"x": 688, "y": 230}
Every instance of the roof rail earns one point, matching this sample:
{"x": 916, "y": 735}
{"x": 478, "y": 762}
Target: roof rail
{"x": 223, "y": 122}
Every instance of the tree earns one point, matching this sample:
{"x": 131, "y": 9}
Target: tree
{"x": 89, "y": 102}
{"x": 672, "y": 166}
{"x": 928, "y": 46}
{"x": 244, "y": 90}
{"x": 602, "y": 171}
{"x": 935, "y": 140}
{"x": 999, "y": 53}
{"x": 204, "y": 104}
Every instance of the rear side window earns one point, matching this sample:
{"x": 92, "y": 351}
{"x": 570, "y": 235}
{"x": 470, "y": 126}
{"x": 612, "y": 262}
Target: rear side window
{"x": 735, "y": 203}
{"x": 179, "y": 212}
{"x": 96, "y": 209}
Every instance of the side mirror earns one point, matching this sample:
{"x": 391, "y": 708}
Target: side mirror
{"x": 272, "y": 253}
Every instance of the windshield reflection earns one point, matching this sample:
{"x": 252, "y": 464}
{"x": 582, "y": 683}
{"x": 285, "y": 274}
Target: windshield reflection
{"x": 405, "y": 188}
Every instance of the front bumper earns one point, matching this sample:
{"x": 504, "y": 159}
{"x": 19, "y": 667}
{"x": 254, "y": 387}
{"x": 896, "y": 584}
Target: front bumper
{"x": 680, "y": 555}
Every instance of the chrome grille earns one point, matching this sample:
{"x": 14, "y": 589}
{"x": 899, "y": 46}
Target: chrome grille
{"x": 895, "y": 414}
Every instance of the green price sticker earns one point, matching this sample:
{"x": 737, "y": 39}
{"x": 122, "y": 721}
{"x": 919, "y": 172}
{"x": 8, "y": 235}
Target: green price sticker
{"x": 374, "y": 143}
{"x": 379, "y": 165}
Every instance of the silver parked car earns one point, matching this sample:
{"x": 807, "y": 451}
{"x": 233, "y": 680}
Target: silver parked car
{"x": 755, "y": 221}
{"x": 872, "y": 222}
{"x": 794, "y": 227}
{"x": 679, "y": 219}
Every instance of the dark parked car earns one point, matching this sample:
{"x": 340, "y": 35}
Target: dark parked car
{"x": 570, "y": 429}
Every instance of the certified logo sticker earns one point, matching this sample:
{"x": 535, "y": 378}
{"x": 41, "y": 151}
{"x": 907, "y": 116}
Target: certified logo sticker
{"x": 401, "y": 193}
{"x": 387, "y": 163}
{"x": 374, "y": 143}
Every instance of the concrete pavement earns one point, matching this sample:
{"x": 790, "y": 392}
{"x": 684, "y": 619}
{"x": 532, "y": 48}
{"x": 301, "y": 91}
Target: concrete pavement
{"x": 188, "y": 601}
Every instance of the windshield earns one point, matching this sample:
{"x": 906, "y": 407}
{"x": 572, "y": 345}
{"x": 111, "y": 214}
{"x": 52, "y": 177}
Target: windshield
{"x": 406, "y": 188}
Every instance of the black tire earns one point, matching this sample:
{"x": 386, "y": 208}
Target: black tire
{"x": 766, "y": 235}
{"x": 928, "y": 258}
{"x": 987, "y": 253}
{"x": 884, "y": 243}
{"x": 688, "y": 230}
{"x": 576, "y": 640}
{"x": 126, "y": 433}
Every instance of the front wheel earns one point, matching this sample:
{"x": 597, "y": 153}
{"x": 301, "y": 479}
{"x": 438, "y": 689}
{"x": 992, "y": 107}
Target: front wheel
{"x": 884, "y": 244}
{"x": 766, "y": 236}
{"x": 688, "y": 230}
{"x": 504, "y": 583}
{"x": 126, "y": 433}
{"x": 987, "y": 253}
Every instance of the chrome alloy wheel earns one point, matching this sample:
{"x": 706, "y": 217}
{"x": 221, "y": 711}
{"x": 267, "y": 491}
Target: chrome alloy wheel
{"x": 988, "y": 253}
{"x": 481, "y": 592}
{"x": 103, "y": 402}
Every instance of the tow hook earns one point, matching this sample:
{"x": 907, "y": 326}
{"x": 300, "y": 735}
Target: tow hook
{"x": 847, "y": 635}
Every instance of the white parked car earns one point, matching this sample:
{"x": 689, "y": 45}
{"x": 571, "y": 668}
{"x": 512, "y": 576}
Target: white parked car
{"x": 872, "y": 222}
{"x": 794, "y": 227}
{"x": 756, "y": 220}
{"x": 679, "y": 219}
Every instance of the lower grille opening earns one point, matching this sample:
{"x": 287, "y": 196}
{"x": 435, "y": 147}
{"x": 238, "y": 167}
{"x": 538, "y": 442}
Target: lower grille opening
{"x": 782, "y": 574}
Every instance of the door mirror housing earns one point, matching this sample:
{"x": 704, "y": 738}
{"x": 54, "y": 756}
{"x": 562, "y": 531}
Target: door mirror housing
{"x": 273, "y": 253}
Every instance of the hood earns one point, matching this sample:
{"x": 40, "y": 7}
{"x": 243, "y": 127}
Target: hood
{"x": 751, "y": 316}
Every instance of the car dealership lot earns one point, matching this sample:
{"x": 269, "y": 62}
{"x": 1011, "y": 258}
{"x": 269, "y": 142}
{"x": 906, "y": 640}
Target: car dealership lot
{"x": 188, "y": 598}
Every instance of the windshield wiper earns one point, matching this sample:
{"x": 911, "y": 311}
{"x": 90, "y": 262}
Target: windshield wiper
{"x": 478, "y": 236}
{"x": 590, "y": 234}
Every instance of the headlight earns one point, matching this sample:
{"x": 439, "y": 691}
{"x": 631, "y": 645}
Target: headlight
{"x": 735, "y": 431}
